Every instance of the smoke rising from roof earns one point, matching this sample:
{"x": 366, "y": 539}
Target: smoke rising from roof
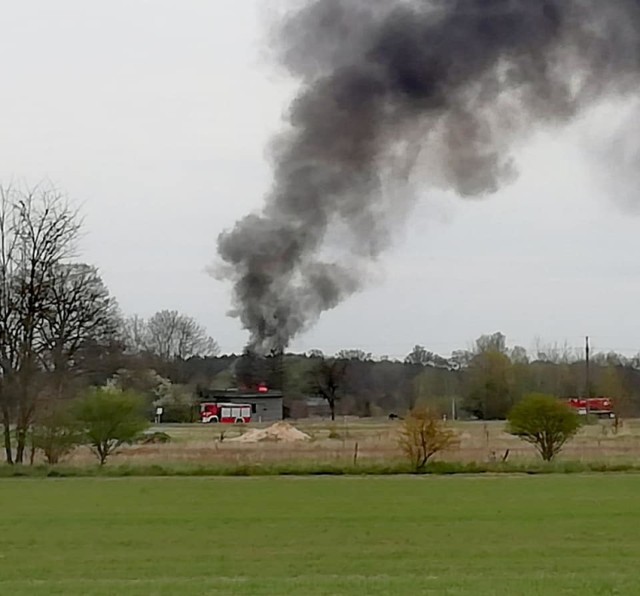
{"x": 393, "y": 94}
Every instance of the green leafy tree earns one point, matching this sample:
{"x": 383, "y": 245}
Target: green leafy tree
{"x": 110, "y": 418}
{"x": 610, "y": 382}
{"x": 545, "y": 422}
{"x": 297, "y": 376}
{"x": 177, "y": 401}
{"x": 490, "y": 387}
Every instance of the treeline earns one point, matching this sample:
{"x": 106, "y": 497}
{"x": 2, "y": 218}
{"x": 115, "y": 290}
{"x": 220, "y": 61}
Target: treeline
{"x": 484, "y": 382}
{"x": 61, "y": 333}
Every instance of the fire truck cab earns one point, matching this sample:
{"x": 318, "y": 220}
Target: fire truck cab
{"x": 225, "y": 413}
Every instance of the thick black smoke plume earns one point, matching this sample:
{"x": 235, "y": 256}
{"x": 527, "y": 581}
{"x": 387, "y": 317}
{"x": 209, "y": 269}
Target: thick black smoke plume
{"x": 446, "y": 88}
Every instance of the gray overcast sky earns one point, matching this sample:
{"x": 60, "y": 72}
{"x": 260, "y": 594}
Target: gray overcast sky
{"x": 155, "y": 116}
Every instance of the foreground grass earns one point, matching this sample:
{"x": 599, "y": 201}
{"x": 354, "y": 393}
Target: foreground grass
{"x": 498, "y": 536}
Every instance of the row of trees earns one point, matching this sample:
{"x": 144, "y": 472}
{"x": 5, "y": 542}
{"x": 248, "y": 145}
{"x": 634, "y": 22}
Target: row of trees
{"x": 60, "y": 329}
{"x": 55, "y": 314}
{"x": 168, "y": 335}
{"x": 484, "y": 382}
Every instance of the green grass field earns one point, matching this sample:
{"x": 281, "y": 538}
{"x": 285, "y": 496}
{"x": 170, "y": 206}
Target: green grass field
{"x": 506, "y": 535}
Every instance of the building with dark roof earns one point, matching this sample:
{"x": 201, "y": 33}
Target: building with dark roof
{"x": 266, "y": 406}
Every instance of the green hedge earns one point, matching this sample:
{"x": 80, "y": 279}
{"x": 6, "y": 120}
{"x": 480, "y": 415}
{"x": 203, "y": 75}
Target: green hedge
{"x": 311, "y": 469}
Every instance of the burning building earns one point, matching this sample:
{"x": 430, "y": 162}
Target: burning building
{"x": 258, "y": 381}
{"x": 267, "y": 405}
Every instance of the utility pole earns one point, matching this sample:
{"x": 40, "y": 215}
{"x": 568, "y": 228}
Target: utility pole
{"x": 447, "y": 393}
{"x": 587, "y": 383}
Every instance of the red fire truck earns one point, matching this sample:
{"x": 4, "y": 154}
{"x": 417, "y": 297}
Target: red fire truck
{"x": 602, "y": 407}
{"x": 225, "y": 413}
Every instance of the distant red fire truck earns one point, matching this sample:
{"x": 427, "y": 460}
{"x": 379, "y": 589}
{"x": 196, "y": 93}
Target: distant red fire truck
{"x": 602, "y": 407}
{"x": 215, "y": 412}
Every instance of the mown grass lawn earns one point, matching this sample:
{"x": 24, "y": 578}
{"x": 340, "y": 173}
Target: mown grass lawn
{"x": 493, "y": 536}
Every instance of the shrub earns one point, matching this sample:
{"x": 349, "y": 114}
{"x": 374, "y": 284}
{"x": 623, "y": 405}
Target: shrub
{"x": 334, "y": 434}
{"x": 155, "y": 438}
{"x": 110, "y": 418}
{"x": 423, "y": 434}
{"x": 55, "y": 433}
{"x": 545, "y": 422}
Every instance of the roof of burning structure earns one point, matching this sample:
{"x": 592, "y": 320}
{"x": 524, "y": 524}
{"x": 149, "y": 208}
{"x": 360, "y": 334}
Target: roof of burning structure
{"x": 239, "y": 393}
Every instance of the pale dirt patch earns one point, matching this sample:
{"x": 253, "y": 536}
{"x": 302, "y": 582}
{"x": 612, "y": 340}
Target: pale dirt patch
{"x": 279, "y": 432}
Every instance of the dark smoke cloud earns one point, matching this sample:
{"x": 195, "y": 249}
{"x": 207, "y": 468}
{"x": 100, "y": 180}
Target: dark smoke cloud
{"x": 444, "y": 88}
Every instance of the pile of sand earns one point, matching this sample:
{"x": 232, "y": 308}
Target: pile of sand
{"x": 280, "y": 431}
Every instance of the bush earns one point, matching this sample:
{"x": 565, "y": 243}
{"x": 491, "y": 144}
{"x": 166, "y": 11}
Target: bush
{"x": 55, "y": 433}
{"x": 110, "y": 418}
{"x": 334, "y": 434}
{"x": 545, "y": 422}
{"x": 155, "y": 438}
{"x": 424, "y": 434}
{"x": 314, "y": 468}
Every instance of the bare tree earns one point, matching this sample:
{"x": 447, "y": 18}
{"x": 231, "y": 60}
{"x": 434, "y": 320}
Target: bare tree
{"x": 135, "y": 334}
{"x": 519, "y": 355}
{"x": 327, "y": 378}
{"x": 82, "y": 316}
{"x": 359, "y": 355}
{"x": 38, "y": 231}
{"x": 171, "y": 335}
{"x": 8, "y": 241}
{"x": 462, "y": 358}
{"x": 496, "y": 342}
{"x": 555, "y": 353}
{"x": 49, "y": 309}
{"x": 420, "y": 356}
